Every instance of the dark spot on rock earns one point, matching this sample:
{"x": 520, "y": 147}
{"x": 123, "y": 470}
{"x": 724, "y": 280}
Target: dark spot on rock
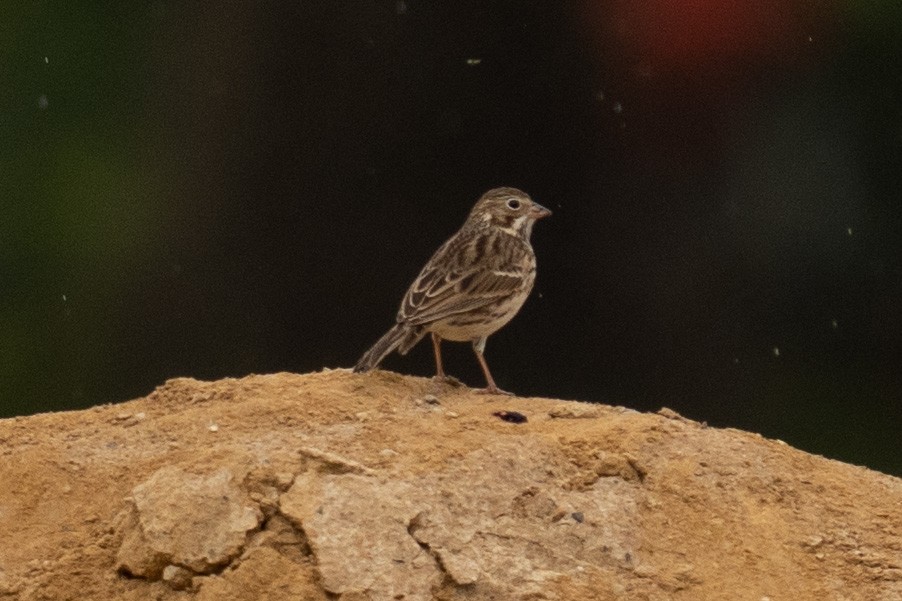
{"x": 511, "y": 416}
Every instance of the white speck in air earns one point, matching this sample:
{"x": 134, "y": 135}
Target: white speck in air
{"x": 776, "y": 352}
{"x": 64, "y": 298}
{"x": 849, "y": 231}
{"x": 43, "y": 102}
{"x": 618, "y": 108}
{"x": 46, "y": 60}
{"x": 473, "y": 61}
{"x": 834, "y": 324}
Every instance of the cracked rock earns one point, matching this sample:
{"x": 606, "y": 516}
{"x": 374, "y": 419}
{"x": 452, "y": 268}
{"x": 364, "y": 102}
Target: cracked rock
{"x": 357, "y": 528}
{"x": 184, "y": 520}
{"x": 382, "y": 539}
{"x": 497, "y": 534}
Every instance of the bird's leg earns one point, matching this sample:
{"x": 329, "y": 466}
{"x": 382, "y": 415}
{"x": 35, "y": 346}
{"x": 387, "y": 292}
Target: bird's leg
{"x": 478, "y": 348}
{"x": 437, "y": 347}
{"x": 439, "y": 370}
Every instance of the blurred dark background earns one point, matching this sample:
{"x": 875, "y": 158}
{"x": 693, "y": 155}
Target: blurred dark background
{"x": 210, "y": 190}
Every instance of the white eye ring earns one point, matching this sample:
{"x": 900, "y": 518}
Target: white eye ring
{"x": 513, "y": 204}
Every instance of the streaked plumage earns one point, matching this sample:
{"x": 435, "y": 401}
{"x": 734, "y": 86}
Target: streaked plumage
{"x": 473, "y": 285}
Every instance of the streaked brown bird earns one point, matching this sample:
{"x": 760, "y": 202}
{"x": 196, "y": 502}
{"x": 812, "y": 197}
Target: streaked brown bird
{"x": 472, "y": 286}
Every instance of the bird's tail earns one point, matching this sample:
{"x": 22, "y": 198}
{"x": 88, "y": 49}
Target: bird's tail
{"x": 401, "y": 337}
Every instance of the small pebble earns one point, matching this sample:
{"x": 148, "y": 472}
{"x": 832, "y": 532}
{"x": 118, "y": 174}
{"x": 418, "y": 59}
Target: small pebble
{"x": 814, "y": 541}
{"x": 177, "y": 577}
{"x": 284, "y": 480}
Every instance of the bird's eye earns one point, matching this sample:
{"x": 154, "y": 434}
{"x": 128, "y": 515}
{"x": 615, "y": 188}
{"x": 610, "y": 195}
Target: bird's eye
{"x": 513, "y": 204}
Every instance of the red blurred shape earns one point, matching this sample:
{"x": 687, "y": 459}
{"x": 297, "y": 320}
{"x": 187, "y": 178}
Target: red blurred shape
{"x": 693, "y": 33}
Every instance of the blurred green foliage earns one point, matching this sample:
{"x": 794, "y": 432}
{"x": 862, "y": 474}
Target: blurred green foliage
{"x": 79, "y": 201}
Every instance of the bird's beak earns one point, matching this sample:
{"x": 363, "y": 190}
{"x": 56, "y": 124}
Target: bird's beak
{"x": 538, "y": 211}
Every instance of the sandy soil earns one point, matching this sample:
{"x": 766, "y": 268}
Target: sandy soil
{"x": 582, "y": 501}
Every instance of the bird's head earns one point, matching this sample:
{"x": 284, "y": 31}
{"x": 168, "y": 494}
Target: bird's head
{"x": 509, "y": 209}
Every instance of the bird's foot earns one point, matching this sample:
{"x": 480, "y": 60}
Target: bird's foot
{"x": 493, "y": 390}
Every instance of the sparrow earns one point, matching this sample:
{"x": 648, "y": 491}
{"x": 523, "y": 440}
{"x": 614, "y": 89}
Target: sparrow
{"x": 472, "y": 286}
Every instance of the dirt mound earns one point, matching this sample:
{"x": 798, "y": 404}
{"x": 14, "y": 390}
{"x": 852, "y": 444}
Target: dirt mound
{"x": 343, "y": 486}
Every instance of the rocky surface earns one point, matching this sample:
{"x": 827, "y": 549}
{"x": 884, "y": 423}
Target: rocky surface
{"x": 381, "y": 487}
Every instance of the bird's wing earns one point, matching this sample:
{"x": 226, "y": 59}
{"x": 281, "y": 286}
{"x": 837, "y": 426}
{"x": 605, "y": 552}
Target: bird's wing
{"x": 457, "y": 279}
